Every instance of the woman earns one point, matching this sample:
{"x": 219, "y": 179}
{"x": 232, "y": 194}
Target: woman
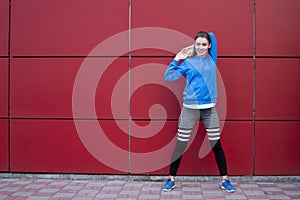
{"x": 200, "y": 97}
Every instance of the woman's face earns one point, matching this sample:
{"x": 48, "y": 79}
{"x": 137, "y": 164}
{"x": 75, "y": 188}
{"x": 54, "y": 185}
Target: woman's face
{"x": 201, "y": 46}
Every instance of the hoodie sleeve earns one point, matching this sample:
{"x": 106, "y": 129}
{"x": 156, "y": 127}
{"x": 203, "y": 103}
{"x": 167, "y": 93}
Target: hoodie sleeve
{"x": 174, "y": 71}
{"x": 213, "y": 49}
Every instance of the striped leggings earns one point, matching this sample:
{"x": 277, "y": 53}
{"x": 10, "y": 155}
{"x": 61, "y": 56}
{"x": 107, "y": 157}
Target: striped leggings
{"x": 187, "y": 119}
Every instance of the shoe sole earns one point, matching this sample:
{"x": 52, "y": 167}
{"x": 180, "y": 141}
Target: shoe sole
{"x": 168, "y": 190}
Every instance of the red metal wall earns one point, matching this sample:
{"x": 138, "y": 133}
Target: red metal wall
{"x": 45, "y": 43}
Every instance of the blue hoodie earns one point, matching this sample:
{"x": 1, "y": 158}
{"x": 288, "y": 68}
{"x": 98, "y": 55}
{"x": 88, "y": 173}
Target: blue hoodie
{"x": 200, "y": 74}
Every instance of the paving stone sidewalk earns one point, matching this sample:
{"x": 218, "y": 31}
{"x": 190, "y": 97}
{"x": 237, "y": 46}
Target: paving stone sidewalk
{"x": 42, "y": 189}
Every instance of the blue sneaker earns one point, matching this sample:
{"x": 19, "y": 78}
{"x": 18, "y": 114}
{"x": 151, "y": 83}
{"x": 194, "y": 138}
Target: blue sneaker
{"x": 226, "y": 185}
{"x": 169, "y": 185}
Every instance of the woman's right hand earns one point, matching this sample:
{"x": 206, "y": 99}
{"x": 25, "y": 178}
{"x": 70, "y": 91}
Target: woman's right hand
{"x": 185, "y": 53}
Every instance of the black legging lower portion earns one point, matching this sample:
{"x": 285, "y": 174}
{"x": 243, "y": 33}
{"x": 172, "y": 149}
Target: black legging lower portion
{"x": 216, "y": 147}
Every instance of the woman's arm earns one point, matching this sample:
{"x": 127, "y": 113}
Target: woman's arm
{"x": 174, "y": 71}
{"x": 213, "y": 49}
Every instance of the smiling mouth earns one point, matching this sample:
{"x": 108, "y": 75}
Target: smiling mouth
{"x": 201, "y": 52}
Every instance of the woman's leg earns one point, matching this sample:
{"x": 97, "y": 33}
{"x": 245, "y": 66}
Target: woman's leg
{"x": 186, "y": 122}
{"x": 220, "y": 158}
{"x": 211, "y": 122}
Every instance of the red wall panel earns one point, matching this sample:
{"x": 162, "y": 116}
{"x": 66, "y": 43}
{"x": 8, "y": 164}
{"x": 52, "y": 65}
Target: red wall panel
{"x": 54, "y": 146}
{"x": 44, "y": 87}
{"x": 277, "y": 148}
{"x": 237, "y": 75}
{"x": 231, "y": 19}
{"x": 3, "y": 87}
{"x": 277, "y": 28}
{"x": 64, "y": 28}
{"x": 4, "y": 148}
{"x": 278, "y": 94}
{"x": 111, "y": 98}
{"x": 4, "y": 28}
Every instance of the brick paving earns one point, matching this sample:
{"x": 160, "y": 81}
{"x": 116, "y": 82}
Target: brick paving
{"x": 43, "y": 189}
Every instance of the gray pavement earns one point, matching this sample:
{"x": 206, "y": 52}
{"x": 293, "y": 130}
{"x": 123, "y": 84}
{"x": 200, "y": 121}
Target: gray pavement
{"x": 33, "y": 187}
